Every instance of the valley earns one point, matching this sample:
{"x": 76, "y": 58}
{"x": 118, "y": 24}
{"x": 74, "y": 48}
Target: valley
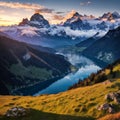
{"x": 26, "y": 67}
{"x": 59, "y": 60}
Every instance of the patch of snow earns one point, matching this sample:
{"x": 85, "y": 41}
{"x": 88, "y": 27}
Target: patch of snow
{"x": 27, "y": 56}
{"x": 107, "y": 57}
{"x": 28, "y": 33}
{"x": 72, "y": 33}
{"x": 94, "y": 22}
{"x": 99, "y": 55}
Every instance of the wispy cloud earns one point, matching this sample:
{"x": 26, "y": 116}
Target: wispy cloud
{"x": 44, "y": 10}
{"x": 20, "y": 5}
{"x": 58, "y": 17}
{"x": 27, "y": 6}
{"x": 60, "y": 12}
{"x": 85, "y": 3}
{"x": 3, "y": 20}
{"x": 23, "y": 9}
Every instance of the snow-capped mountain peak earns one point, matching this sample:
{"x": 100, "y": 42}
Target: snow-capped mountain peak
{"x": 25, "y": 21}
{"x": 110, "y": 16}
{"x": 116, "y": 14}
{"x": 78, "y": 27}
{"x": 76, "y": 14}
{"x": 36, "y": 17}
{"x": 38, "y": 20}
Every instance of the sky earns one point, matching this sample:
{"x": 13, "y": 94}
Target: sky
{"x": 13, "y": 11}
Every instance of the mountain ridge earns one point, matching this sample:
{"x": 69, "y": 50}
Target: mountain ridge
{"x": 25, "y": 65}
{"x": 75, "y": 29}
{"x": 108, "y": 53}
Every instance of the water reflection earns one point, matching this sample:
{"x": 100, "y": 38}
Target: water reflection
{"x": 86, "y": 67}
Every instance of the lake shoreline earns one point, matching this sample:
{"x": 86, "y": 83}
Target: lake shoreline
{"x": 31, "y": 90}
{"x": 41, "y": 87}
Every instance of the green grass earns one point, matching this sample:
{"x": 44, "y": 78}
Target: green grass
{"x": 30, "y": 72}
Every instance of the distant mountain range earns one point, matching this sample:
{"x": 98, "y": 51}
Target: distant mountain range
{"x": 88, "y": 32}
{"x": 77, "y": 27}
{"x": 80, "y": 22}
{"x": 77, "y": 21}
{"x": 110, "y": 16}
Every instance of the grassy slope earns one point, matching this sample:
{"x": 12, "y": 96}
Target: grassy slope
{"x": 77, "y": 102}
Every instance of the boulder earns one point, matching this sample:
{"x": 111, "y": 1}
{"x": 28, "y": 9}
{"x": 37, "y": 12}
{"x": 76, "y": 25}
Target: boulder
{"x": 17, "y": 112}
{"x": 111, "y": 110}
{"x": 106, "y": 106}
{"x": 107, "y": 82}
{"x": 115, "y": 96}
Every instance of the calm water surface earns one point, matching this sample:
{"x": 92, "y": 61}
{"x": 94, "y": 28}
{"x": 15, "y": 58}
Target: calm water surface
{"x": 86, "y": 67}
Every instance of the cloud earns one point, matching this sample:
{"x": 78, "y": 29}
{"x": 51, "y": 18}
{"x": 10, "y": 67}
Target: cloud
{"x": 3, "y": 20}
{"x": 59, "y": 12}
{"x": 2, "y": 11}
{"x": 58, "y": 17}
{"x": 20, "y": 31}
{"x": 58, "y": 30}
{"x": 18, "y": 5}
{"x": 26, "y": 6}
{"x": 79, "y": 33}
{"x": 29, "y": 31}
{"x": 44, "y": 10}
{"x": 85, "y": 3}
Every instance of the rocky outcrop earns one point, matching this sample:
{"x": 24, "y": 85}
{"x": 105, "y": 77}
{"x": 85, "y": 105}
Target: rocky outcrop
{"x": 115, "y": 96}
{"x": 107, "y": 107}
{"x": 17, "y": 112}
